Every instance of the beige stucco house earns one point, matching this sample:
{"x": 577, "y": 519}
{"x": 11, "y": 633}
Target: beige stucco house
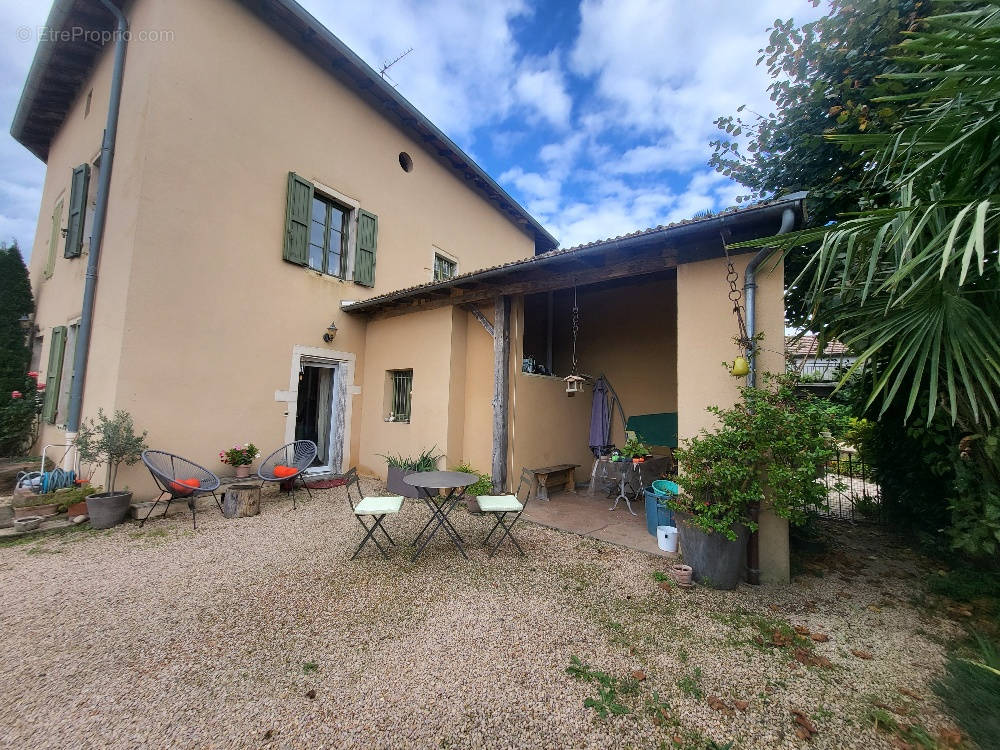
{"x": 292, "y": 250}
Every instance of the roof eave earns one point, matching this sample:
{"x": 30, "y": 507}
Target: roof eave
{"x": 711, "y": 225}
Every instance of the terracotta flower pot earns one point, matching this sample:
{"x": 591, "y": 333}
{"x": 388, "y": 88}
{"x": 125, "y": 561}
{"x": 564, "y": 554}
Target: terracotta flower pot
{"x": 681, "y": 574}
{"x": 242, "y": 472}
{"x": 77, "y": 509}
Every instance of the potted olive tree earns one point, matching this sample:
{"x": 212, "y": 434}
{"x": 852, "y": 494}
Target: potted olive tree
{"x": 768, "y": 449}
{"x": 111, "y": 442}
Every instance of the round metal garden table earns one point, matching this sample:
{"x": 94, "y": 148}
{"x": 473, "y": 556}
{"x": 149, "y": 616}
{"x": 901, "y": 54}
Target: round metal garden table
{"x": 429, "y": 482}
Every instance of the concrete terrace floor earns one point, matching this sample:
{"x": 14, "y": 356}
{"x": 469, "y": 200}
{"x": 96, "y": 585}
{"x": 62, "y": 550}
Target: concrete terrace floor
{"x": 261, "y": 632}
{"x": 591, "y": 516}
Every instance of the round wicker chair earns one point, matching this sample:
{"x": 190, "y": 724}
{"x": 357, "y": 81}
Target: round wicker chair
{"x": 299, "y": 456}
{"x": 180, "y": 479}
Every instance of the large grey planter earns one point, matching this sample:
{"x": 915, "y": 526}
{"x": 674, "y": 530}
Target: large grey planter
{"x": 717, "y": 562}
{"x": 394, "y": 482}
{"x": 107, "y": 509}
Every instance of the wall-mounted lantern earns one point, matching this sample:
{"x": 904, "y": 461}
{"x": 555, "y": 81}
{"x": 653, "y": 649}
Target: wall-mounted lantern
{"x": 331, "y": 333}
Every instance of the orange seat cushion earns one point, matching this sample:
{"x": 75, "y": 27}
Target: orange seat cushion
{"x": 181, "y": 485}
{"x": 285, "y": 471}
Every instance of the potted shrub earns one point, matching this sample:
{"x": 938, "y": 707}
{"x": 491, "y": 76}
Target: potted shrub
{"x": 399, "y": 467}
{"x": 767, "y": 449}
{"x": 241, "y": 458}
{"x": 111, "y": 442}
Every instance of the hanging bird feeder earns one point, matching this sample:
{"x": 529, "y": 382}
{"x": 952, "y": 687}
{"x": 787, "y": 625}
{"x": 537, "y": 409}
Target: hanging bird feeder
{"x": 574, "y": 384}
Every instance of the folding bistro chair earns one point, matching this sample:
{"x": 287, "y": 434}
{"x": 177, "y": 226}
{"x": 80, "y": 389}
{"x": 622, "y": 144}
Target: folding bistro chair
{"x": 502, "y": 505}
{"x": 375, "y": 508}
{"x": 180, "y": 479}
{"x": 287, "y": 464}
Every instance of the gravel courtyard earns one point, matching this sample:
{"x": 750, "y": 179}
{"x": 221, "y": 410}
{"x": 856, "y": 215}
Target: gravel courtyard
{"x": 260, "y": 632}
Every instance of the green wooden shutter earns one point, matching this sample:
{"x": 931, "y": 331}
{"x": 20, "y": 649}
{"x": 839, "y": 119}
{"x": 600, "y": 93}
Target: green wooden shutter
{"x": 364, "y": 257}
{"x": 298, "y": 213}
{"x": 50, "y": 261}
{"x": 53, "y": 374}
{"x": 77, "y": 211}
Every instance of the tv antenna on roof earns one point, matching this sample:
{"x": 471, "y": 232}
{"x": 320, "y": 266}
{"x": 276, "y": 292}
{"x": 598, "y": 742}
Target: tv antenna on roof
{"x": 389, "y": 63}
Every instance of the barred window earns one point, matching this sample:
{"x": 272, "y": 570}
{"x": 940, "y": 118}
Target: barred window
{"x": 399, "y": 391}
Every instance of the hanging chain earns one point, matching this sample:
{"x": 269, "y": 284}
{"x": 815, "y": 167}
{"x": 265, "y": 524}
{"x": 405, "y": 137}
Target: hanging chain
{"x": 576, "y": 327}
{"x": 735, "y": 296}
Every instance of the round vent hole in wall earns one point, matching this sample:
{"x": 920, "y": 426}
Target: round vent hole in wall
{"x": 405, "y": 161}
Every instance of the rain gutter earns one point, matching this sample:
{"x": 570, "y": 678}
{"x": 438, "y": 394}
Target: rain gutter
{"x": 80, "y": 355}
{"x": 750, "y": 297}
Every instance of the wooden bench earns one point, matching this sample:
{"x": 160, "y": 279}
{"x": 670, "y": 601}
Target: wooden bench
{"x": 561, "y": 477}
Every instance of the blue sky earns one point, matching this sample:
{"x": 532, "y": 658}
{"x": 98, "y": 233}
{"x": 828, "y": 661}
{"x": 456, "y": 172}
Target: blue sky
{"x": 595, "y": 115}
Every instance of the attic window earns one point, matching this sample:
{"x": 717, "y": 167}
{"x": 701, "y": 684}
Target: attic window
{"x": 405, "y": 161}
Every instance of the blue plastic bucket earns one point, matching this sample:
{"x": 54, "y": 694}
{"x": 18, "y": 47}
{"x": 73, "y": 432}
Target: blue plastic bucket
{"x": 657, "y": 512}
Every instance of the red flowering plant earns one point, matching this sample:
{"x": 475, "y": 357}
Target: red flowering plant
{"x": 769, "y": 448}
{"x": 19, "y": 412}
{"x": 240, "y": 455}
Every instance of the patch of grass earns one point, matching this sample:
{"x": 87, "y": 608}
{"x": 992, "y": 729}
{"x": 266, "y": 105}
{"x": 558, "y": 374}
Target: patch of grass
{"x": 310, "y": 667}
{"x": 970, "y": 690}
{"x": 964, "y": 584}
{"x": 768, "y": 632}
{"x": 609, "y": 689}
{"x": 690, "y": 684}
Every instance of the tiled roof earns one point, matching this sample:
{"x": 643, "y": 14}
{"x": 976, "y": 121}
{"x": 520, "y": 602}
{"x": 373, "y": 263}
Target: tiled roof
{"x": 808, "y": 346}
{"x": 653, "y": 234}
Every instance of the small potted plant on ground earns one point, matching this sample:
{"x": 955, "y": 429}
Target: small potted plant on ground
{"x": 399, "y": 467}
{"x": 111, "y": 442}
{"x": 765, "y": 450}
{"x": 241, "y": 458}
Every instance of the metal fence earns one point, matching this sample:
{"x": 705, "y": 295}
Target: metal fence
{"x": 851, "y": 492}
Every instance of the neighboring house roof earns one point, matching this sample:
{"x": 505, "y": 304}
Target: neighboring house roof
{"x": 807, "y": 346}
{"x": 688, "y": 241}
{"x": 59, "y": 69}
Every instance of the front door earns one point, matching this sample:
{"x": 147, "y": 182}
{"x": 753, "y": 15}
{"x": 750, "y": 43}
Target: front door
{"x": 318, "y": 415}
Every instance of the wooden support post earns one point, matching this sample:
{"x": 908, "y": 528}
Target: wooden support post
{"x": 501, "y": 390}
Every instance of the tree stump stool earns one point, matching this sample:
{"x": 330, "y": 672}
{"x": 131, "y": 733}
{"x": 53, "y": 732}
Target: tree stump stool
{"x": 241, "y": 500}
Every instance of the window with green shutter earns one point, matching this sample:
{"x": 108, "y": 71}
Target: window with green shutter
{"x": 77, "y": 211}
{"x": 298, "y": 216}
{"x": 364, "y": 256}
{"x": 53, "y": 374}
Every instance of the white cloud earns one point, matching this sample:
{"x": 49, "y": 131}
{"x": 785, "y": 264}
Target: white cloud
{"x": 543, "y": 88}
{"x": 668, "y": 69}
{"x": 460, "y": 71}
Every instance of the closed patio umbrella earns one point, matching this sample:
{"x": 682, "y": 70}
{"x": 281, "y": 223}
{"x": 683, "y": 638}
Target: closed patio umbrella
{"x": 600, "y": 418}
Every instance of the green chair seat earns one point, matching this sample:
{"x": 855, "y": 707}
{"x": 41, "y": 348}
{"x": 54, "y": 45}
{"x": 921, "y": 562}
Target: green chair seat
{"x": 499, "y": 504}
{"x": 378, "y": 506}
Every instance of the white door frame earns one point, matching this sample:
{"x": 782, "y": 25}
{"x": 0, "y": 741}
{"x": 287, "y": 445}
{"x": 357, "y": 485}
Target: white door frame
{"x": 344, "y": 362}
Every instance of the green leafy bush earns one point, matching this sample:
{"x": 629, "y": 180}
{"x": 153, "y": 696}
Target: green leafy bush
{"x": 19, "y": 412}
{"x": 426, "y": 461}
{"x": 770, "y": 447}
{"x": 484, "y": 486}
{"x": 971, "y": 691}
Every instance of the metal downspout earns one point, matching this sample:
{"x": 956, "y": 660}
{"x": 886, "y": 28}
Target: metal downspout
{"x": 80, "y": 355}
{"x": 750, "y": 295}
